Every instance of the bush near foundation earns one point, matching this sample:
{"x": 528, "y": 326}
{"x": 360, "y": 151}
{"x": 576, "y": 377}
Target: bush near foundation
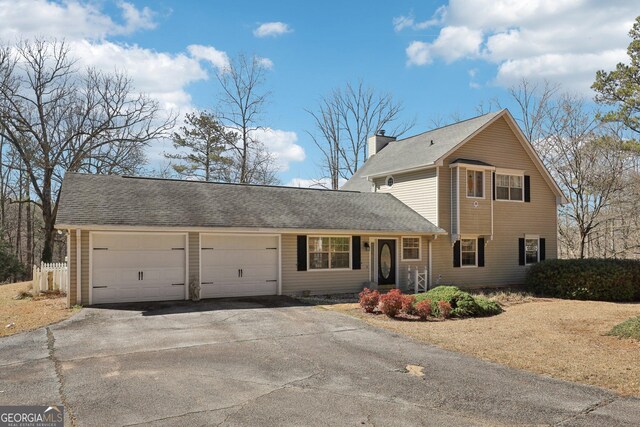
{"x": 391, "y": 303}
{"x": 586, "y": 279}
{"x": 462, "y": 303}
{"x": 369, "y": 300}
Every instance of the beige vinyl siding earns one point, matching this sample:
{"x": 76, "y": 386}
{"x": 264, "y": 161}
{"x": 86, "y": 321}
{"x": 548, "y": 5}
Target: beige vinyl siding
{"x": 84, "y": 272}
{"x": 72, "y": 265}
{"x": 418, "y": 190}
{"x": 194, "y": 258}
{"x": 475, "y": 213}
{"x": 498, "y": 146}
{"x": 320, "y": 281}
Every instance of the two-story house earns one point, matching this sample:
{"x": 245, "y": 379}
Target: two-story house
{"x": 469, "y": 204}
{"x": 482, "y": 182}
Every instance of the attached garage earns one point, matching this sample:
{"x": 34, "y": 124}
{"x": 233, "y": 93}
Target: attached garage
{"x": 128, "y": 267}
{"x": 238, "y": 265}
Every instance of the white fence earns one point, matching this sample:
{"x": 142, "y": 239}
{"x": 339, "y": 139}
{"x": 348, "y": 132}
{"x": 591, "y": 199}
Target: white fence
{"x": 50, "y": 277}
{"x": 418, "y": 279}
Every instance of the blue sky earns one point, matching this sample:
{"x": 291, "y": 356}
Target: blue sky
{"x": 438, "y": 58}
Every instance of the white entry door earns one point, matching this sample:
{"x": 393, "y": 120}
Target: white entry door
{"x": 130, "y": 267}
{"x": 238, "y": 265}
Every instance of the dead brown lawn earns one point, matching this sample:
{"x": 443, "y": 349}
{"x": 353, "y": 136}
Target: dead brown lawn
{"x": 563, "y": 339}
{"x": 28, "y": 314}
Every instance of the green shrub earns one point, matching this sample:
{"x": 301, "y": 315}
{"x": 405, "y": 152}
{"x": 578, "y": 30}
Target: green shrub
{"x": 628, "y": 329}
{"x": 487, "y": 307}
{"x": 462, "y": 303}
{"x": 586, "y": 279}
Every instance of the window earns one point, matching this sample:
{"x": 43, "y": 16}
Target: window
{"x": 531, "y": 251}
{"x": 468, "y": 252}
{"x": 410, "y": 249}
{"x": 328, "y": 253}
{"x": 509, "y": 187}
{"x": 389, "y": 181}
{"x": 475, "y": 180}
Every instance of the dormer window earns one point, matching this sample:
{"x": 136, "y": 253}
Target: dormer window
{"x": 389, "y": 181}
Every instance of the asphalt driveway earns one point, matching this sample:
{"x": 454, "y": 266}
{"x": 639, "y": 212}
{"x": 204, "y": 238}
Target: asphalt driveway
{"x": 272, "y": 361}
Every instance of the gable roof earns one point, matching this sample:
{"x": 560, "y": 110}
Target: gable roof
{"x": 110, "y": 200}
{"x": 429, "y": 148}
{"x": 416, "y": 151}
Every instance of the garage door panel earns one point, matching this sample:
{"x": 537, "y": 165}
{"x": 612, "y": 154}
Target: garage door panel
{"x": 223, "y": 256}
{"x": 239, "y": 242}
{"x": 118, "y": 259}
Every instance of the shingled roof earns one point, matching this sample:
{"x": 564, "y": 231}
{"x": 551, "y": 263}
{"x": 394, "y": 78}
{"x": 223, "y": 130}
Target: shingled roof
{"x": 109, "y": 200}
{"x": 416, "y": 151}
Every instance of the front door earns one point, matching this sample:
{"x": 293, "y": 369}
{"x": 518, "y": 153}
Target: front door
{"x": 386, "y": 262}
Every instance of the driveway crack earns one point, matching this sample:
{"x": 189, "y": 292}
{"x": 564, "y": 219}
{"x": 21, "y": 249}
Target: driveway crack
{"x": 57, "y": 366}
{"x": 586, "y": 411}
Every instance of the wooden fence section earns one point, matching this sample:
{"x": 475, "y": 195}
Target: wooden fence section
{"x": 50, "y": 277}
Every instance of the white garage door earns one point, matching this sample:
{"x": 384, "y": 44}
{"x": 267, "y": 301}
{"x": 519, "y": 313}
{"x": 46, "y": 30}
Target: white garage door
{"x": 239, "y": 266}
{"x": 138, "y": 267}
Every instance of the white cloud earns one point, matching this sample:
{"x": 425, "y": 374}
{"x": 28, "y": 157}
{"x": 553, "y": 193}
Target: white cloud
{"x": 283, "y": 146}
{"x": 265, "y": 62}
{"x": 272, "y": 29}
{"x": 71, "y": 19}
{"x": 215, "y": 57}
{"x": 402, "y": 22}
{"x": 565, "y": 41}
{"x": 162, "y": 75}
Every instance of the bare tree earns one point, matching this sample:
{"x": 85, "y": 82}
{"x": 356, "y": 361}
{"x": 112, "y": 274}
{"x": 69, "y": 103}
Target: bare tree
{"x": 588, "y": 159}
{"x": 59, "y": 118}
{"x": 242, "y": 103}
{"x": 344, "y": 120}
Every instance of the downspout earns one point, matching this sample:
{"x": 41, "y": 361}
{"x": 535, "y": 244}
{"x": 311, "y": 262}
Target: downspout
{"x": 78, "y": 266}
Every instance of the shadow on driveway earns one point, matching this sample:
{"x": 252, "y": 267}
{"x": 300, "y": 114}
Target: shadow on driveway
{"x": 157, "y": 308}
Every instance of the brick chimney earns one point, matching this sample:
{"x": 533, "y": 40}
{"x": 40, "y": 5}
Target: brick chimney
{"x": 377, "y": 142}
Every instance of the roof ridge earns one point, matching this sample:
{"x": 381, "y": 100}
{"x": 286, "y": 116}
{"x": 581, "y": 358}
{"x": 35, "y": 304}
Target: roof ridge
{"x": 449, "y": 125}
{"x": 153, "y": 178}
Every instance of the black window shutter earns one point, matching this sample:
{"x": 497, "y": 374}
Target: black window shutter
{"x": 527, "y": 188}
{"x": 542, "y": 249}
{"x": 480, "y": 252}
{"x": 493, "y": 182}
{"x": 302, "y": 253}
{"x": 521, "y": 251}
{"x": 456, "y": 254}
{"x": 355, "y": 253}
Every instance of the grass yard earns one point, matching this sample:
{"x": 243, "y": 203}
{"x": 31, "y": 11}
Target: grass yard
{"x": 29, "y": 313}
{"x": 561, "y": 338}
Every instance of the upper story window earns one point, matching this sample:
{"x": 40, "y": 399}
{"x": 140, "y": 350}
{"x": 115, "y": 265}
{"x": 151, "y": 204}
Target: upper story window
{"x": 411, "y": 249}
{"x": 475, "y": 183}
{"x": 509, "y": 187}
{"x": 328, "y": 253}
{"x": 389, "y": 181}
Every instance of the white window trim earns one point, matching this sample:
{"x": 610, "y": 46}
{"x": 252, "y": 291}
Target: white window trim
{"x": 466, "y": 188}
{"x": 469, "y": 238}
{"x": 496, "y": 187}
{"x": 402, "y": 258}
{"x": 330, "y": 269}
{"x": 530, "y": 237}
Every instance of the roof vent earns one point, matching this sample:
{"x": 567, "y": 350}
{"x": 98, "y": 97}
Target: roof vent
{"x": 432, "y": 142}
{"x": 381, "y": 132}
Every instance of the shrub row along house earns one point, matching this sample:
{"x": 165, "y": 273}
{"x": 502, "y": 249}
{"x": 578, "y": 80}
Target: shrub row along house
{"x": 470, "y": 202}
